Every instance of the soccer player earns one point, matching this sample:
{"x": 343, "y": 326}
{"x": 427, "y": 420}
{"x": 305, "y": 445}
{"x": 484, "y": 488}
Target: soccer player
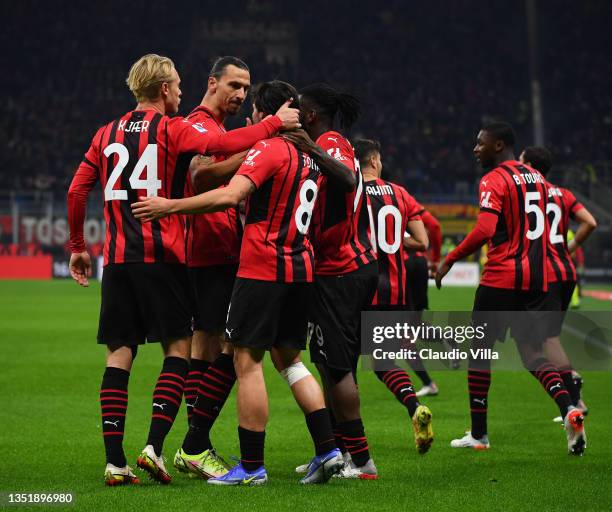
{"x": 394, "y": 212}
{"x": 346, "y": 272}
{"x": 268, "y": 309}
{"x": 213, "y": 248}
{"x": 512, "y": 221}
{"x": 562, "y": 206}
{"x": 145, "y": 294}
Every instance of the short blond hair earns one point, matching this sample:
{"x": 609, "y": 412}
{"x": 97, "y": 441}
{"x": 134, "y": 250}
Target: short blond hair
{"x": 147, "y": 74}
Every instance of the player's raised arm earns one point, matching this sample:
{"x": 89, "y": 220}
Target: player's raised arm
{"x": 332, "y": 167}
{"x": 194, "y": 139}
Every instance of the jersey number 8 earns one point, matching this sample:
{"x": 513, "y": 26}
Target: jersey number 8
{"x": 303, "y": 214}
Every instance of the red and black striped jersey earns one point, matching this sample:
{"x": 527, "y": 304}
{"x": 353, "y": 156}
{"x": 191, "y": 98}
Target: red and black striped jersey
{"x": 562, "y": 205}
{"x": 516, "y": 258}
{"x": 434, "y": 232}
{"x": 145, "y": 153}
{"x": 341, "y": 231}
{"x": 391, "y": 208}
{"x": 211, "y": 238}
{"x": 276, "y": 244}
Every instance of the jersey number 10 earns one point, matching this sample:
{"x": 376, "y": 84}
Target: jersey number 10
{"x": 379, "y": 229}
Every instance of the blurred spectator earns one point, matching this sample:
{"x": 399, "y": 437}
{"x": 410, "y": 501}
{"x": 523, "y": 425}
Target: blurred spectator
{"x": 428, "y": 76}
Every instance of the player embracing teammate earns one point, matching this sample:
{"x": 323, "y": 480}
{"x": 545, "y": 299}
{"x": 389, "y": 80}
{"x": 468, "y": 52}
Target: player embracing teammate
{"x": 145, "y": 289}
{"x": 268, "y": 309}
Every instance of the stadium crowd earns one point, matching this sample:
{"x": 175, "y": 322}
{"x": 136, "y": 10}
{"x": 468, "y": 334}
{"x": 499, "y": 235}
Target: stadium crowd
{"x": 427, "y": 78}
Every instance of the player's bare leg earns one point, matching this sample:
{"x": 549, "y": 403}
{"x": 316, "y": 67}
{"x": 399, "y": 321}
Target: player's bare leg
{"x": 206, "y": 346}
{"x": 304, "y": 386}
{"x": 253, "y": 411}
{"x": 309, "y": 396}
{"x": 167, "y": 398}
{"x": 114, "y": 401}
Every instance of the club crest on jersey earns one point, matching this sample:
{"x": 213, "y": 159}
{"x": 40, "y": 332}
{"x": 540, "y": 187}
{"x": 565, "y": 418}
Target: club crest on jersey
{"x": 199, "y": 127}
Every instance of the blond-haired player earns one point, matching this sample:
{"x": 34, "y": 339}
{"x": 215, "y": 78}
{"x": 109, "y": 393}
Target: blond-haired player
{"x": 144, "y": 286}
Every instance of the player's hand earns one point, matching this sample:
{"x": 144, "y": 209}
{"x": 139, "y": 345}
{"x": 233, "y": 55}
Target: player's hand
{"x": 200, "y": 161}
{"x": 443, "y": 269}
{"x": 301, "y": 140}
{"x": 571, "y": 247}
{"x": 249, "y": 122}
{"x": 151, "y": 208}
{"x": 80, "y": 267}
{"x": 432, "y": 266}
{"x": 289, "y": 116}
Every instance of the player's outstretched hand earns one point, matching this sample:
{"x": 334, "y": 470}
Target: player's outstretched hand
{"x": 80, "y": 267}
{"x": 443, "y": 269}
{"x": 151, "y": 208}
{"x": 289, "y": 116}
{"x": 432, "y": 266}
{"x": 301, "y": 140}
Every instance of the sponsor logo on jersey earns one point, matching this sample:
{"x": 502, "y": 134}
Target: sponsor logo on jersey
{"x": 199, "y": 127}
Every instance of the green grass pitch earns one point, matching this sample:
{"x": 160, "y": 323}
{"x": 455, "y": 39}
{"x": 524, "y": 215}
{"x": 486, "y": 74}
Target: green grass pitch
{"x": 50, "y": 429}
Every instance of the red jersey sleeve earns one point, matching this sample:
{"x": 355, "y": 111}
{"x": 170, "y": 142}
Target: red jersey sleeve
{"x": 482, "y": 232}
{"x": 491, "y": 192}
{"x": 571, "y": 203}
{"x": 195, "y": 138}
{"x": 263, "y": 160}
{"x": 434, "y": 230}
{"x": 338, "y": 147}
{"x": 413, "y": 208}
{"x": 84, "y": 180}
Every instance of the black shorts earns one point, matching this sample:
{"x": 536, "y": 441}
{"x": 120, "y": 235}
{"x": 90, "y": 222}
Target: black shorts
{"x": 336, "y": 304}
{"x": 521, "y": 311}
{"x": 144, "y": 302}
{"x": 266, "y": 314}
{"x": 558, "y": 299}
{"x": 417, "y": 283}
{"x": 212, "y": 290}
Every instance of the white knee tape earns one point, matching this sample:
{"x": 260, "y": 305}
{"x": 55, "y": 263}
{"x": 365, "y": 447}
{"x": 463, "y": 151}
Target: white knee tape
{"x": 295, "y": 373}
